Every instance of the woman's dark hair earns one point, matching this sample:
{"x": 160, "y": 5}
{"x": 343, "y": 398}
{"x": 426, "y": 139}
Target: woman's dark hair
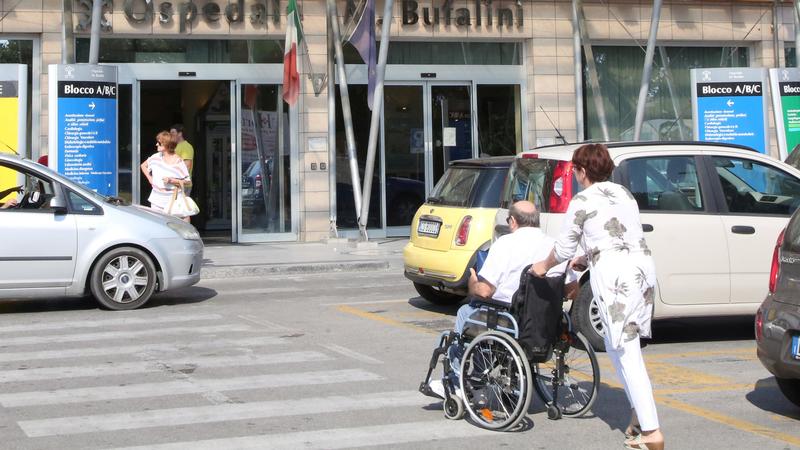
{"x": 595, "y": 160}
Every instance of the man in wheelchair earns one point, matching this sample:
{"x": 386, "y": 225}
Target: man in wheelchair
{"x": 499, "y": 278}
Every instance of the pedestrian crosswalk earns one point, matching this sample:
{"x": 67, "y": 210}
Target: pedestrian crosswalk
{"x": 218, "y": 381}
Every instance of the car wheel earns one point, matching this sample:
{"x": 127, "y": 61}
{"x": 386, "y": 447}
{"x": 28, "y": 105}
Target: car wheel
{"x": 437, "y": 296}
{"x": 790, "y": 387}
{"x": 585, "y": 315}
{"x": 124, "y": 278}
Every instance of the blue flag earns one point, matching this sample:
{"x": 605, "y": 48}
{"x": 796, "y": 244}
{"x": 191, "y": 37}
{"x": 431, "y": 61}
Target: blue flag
{"x": 363, "y": 39}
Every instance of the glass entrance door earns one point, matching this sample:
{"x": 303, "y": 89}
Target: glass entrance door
{"x": 426, "y": 125}
{"x": 264, "y": 166}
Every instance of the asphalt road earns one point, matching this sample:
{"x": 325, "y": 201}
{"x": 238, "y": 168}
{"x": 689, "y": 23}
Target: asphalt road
{"x": 331, "y": 361}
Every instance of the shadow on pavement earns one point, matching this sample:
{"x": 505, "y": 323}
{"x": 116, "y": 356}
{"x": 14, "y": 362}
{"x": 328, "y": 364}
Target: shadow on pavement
{"x": 767, "y": 397}
{"x": 703, "y": 329}
{"x": 421, "y": 303}
{"x": 179, "y": 296}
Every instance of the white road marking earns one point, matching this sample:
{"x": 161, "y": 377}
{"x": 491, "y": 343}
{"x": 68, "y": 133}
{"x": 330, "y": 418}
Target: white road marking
{"x": 107, "y": 322}
{"x": 259, "y": 291}
{"x": 133, "y": 349}
{"x": 219, "y": 413}
{"x": 351, "y": 354}
{"x": 271, "y": 326}
{"x": 369, "y": 436}
{"x": 109, "y": 335}
{"x": 366, "y": 302}
{"x": 52, "y": 373}
{"x": 189, "y": 386}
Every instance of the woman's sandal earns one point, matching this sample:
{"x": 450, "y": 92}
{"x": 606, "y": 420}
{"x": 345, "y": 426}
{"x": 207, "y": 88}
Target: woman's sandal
{"x": 637, "y": 444}
{"x": 632, "y": 431}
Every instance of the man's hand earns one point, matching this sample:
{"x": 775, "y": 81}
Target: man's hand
{"x": 578, "y": 264}
{"x": 538, "y": 269}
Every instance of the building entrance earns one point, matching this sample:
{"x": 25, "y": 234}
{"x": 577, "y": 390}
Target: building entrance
{"x": 244, "y": 175}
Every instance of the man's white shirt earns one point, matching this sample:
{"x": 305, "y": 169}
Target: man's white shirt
{"x": 509, "y": 255}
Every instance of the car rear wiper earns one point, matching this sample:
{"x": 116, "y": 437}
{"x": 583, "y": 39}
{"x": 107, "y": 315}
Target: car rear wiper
{"x": 434, "y": 200}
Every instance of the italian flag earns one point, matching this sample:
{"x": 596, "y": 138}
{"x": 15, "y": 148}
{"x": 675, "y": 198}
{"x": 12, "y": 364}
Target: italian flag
{"x": 294, "y": 35}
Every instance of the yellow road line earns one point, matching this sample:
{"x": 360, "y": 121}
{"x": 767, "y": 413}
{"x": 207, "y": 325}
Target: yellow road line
{"x": 704, "y": 389}
{"x": 378, "y": 318}
{"x": 660, "y": 397}
{"x": 733, "y": 351}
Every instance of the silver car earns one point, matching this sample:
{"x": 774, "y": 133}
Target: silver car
{"x": 778, "y": 319}
{"x": 61, "y": 239}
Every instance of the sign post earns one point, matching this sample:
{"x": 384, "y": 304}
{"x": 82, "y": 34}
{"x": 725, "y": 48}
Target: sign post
{"x": 13, "y": 110}
{"x": 83, "y": 125}
{"x": 785, "y": 84}
{"x": 729, "y": 106}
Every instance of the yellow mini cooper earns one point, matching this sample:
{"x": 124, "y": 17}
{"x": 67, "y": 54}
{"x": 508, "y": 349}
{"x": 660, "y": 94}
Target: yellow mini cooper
{"x": 453, "y": 229}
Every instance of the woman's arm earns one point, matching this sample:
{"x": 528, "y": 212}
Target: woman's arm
{"x": 145, "y": 167}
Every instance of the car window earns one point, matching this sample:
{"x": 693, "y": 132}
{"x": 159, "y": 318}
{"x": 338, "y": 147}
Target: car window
{"x": 455, "y": 187}
{"x": 81, "y": 205}
{"x": 665, "y": 183}
{"x": 23, "y": 190}
{"x": 752, "y": 187}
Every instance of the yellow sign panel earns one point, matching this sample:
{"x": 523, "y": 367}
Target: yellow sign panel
{"x": 9, "y": 129}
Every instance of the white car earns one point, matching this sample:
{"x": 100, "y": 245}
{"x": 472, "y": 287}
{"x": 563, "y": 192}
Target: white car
{"x": 711, "y": 214}
{"x": 61, "y": 239}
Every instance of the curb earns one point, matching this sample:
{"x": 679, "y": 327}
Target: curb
{"x": 209, "y": 273}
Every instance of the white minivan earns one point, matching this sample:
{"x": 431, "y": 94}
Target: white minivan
{"x": 710, "y": 212}
{"x": 61, "y": 239}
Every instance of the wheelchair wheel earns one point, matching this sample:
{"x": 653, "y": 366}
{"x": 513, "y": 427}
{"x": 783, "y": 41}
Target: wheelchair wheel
{"x": 453, "y": 408}
{"x": 571, "y": 378}
{"x": 495, "y": 381}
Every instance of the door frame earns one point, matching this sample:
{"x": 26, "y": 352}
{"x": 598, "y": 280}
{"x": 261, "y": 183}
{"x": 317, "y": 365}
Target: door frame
{"x": 426, "y": 76}
{"x": 235, "y": 74}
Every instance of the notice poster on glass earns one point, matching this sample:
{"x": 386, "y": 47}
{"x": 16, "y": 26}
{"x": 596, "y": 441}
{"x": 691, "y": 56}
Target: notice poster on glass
{"x": 785, "y": 84}
{"x": 13, "y": 110}
{"x": 729, "y": 106}
{"x": 83, "y": 125}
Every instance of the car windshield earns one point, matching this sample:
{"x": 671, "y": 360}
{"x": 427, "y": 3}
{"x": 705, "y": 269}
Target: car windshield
{"x": 473, "y": 187}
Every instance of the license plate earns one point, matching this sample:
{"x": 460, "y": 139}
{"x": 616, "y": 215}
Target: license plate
{"x": 796, "y": 347}
{"x": 428, "y": 228}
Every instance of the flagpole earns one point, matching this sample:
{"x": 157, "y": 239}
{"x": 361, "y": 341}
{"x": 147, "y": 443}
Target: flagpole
{"x": 377, "y": 107}
{"x": 346, "y": 114}
{"x": 331, "y": 80}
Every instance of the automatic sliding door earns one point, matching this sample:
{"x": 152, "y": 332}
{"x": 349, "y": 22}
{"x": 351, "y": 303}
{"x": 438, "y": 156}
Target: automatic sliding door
{"x": 404, "y": 128}
{"x": 451, "y": 126}
{"x": 265, "y": 162}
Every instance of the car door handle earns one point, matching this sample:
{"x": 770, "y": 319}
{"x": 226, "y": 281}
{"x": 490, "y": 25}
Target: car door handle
{"x": 743, "y": 229}
{"x": 646, "y": 227}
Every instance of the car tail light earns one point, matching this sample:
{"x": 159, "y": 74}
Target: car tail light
{"x": 759, "y": 325}
{"x": 561, "y": 192}
{"x": 258, "y": 181}
{"x": 530, "y": 155}
{"x": 463, "y": 231}
{"x": 776, "y": 265}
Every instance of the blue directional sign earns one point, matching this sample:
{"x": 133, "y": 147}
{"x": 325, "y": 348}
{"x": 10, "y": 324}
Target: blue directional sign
{"x": 84, "y": 124}
{"x": 729, "y": 106}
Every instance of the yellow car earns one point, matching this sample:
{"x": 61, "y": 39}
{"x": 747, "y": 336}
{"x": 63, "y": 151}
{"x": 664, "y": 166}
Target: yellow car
{"x": 453, "y": 229}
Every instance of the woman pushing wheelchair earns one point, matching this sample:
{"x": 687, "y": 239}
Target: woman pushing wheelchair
{"x": 604, "y": 220}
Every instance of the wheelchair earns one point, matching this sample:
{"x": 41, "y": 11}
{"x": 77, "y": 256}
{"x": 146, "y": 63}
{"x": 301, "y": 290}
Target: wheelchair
{"x": 488, "y": 375}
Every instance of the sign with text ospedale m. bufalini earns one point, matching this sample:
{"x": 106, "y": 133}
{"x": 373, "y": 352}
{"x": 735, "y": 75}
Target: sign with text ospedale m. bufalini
{"x": 14, "y": 126}
{"x": 785, "y": 84}
{"x": 83, "y": 125}
{"x": 729, "y": 106}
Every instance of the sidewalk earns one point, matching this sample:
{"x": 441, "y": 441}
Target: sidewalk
{"x": 249, "y": 260}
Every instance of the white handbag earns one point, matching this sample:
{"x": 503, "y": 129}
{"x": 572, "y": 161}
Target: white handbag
{"x": 181, "y": 205}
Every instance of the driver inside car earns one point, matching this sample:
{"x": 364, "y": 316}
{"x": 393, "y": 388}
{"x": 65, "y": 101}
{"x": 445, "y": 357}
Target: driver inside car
{"x": 499, "y": 277}
{"x": 11, "y": 203}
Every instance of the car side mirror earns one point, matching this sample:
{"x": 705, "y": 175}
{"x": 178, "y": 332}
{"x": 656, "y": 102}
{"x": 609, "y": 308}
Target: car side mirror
{"x": 58, "y": 204}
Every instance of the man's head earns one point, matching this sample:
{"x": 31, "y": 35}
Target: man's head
{"x": 177, "y": 132}
{"x": 522, "y": 214}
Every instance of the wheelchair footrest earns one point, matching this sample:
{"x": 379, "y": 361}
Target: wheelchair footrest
{"x": 426, "y": 390}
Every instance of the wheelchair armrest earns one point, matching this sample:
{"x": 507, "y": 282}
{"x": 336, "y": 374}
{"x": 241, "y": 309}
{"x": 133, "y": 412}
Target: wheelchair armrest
{"x": 477, "y": 302}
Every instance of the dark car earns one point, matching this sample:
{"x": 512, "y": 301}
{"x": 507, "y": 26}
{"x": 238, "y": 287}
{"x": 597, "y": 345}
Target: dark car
{"x": 253, "y": 186}
{"x": 778, "y": 319}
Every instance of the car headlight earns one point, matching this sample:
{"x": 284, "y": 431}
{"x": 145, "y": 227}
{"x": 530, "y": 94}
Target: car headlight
{"x": 184, "y": 230}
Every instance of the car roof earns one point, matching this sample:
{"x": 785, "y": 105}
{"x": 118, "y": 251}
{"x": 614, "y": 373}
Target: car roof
{"x": 564, "y": 151}
{"x": 488, "y": 162}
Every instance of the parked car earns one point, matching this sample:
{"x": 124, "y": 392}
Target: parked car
{"x": 710, "y": 213}
{"x": 777, "y": 323}
{"x": 62, "y": 239}
{"x": 453, "y": 227}
{"x": 253, "y": 186}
